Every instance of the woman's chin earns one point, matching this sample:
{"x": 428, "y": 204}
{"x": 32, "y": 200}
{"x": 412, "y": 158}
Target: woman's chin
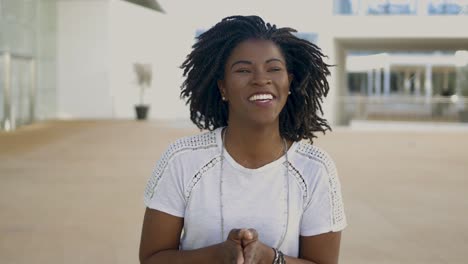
{"x": 265, "y": 120}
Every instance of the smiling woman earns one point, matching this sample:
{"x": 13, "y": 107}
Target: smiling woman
{"x": 248, "y": 190}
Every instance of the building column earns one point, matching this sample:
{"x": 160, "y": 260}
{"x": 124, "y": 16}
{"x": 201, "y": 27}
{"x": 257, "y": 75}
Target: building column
{"x": 378, "y": 85}
{"x": 417, "y": 83}
{"x": 407, "y": 82}
{"x": 8, "y": 122}
{"x": 387, "y": 80}
{"x": 445, "y": 86}
{"x": 370, "y": 81}
{"x": 428, "y": 82}
{"x": 362, "y": 8}
{"x": 422, "y": 9}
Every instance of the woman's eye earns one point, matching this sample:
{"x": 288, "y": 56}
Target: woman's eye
{"x": 242, "y": 70}
{"x": 275, "y": 69}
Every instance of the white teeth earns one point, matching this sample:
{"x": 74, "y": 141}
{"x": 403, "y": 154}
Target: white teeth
{"x": 259, "y": 97}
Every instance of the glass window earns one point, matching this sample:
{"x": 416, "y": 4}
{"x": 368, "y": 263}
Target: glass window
{"x": 347, "y": 7}
{"x": 391, "y": 7}
{"x": 357, "y": 83}
{"x": 447, "y": 7}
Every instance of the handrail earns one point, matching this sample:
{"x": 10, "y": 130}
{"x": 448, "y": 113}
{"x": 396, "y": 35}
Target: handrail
{"x": 400, "y": 107}
{"x": 407, "y": 98}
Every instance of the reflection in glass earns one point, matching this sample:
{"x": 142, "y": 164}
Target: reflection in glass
{"x": 447, "y": 7}
{"x": 393, "y": 7}
{"x": 400, "y": 7}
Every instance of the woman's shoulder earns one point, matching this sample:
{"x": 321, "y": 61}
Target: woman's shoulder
{"x": 311, "y": 155}
{"x": 192, "y": 145}
{"x": 206, "y": 139}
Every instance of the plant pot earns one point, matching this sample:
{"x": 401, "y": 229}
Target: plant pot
{"x": 141, "y": 111}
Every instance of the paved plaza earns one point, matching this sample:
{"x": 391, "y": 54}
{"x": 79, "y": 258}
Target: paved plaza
{"x": 72, "y": 191}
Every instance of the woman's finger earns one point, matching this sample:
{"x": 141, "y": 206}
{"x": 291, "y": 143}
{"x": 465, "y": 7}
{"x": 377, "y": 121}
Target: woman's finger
{"x": 253, "y": 234}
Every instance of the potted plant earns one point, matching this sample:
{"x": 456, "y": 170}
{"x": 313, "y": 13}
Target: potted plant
{"x": 144, "y": 78}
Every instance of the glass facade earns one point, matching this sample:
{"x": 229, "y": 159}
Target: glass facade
{"x": 27, "y": 61}
{"x": 401, "y": 7}
{"x": 391, "y": 7}
{"x": 447, "y": 7}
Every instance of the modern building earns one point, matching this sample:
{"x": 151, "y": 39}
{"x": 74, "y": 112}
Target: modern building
{"x": 73, "y": 59}
{"x": 27, "y": 61}
{"x": 402, "y": 59}
{"x": 417, "y": 86}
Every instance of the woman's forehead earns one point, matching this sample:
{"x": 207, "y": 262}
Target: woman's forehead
{"x": 256, "y": 49}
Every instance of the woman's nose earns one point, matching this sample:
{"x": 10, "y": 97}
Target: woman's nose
{"x": 261, "y": 79}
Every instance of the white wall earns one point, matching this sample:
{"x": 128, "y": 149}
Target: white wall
{"x": 46, "y": 101}
{"x": 299, "y": 14}
{"x": 82, "y": 59}
{"x": 99, "y": 40}
{"x": 399, "y": 27}
{"x": 141, "y": 35}
{"x": 176, "y": 36}
{"x": 138, "y": 34}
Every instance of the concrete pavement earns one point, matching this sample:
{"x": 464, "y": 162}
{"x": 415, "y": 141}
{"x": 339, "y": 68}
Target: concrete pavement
{"x": 71, "y": 192}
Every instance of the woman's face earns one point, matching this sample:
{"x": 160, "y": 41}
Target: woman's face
{"x": 256, "y": 82}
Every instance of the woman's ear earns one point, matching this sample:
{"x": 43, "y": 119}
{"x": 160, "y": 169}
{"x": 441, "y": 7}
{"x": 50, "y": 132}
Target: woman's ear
{"x": 222, "y": 91}
{"x": 290, "y": 77}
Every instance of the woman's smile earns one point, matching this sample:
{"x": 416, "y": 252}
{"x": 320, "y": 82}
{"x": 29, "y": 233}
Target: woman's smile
{"x": 262, "y": 99}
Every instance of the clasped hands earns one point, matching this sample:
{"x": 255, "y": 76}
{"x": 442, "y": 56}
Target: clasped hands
{"x": 243, "y": 247}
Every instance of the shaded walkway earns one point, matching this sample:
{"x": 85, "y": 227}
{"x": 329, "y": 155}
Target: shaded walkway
{"x": 71, "y": 192}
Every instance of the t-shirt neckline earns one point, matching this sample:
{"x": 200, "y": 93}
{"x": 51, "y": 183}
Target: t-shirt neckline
{"x": 243, "y": 169}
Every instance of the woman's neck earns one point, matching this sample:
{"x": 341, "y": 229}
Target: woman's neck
{"x": 254, "y": 147}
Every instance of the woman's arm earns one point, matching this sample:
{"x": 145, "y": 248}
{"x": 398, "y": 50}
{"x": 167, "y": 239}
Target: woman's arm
{"x": 160, "y": 238}
{"x": 320, "y": 249}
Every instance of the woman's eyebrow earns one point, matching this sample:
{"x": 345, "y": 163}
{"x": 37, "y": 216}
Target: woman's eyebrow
{"x": 274, "y": 59}
{"x": 250, "y": 63}
{"x": 241, "y": 61}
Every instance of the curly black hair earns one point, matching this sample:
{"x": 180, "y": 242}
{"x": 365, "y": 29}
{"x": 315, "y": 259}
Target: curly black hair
{"x": 204, "y": 66}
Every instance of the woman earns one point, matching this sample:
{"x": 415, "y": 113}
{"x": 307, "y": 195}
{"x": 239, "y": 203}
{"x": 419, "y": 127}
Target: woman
{"x": 247, "y": 191}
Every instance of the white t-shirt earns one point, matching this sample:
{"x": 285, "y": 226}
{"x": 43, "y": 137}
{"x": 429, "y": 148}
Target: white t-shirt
{"x": 186, "y": 183}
